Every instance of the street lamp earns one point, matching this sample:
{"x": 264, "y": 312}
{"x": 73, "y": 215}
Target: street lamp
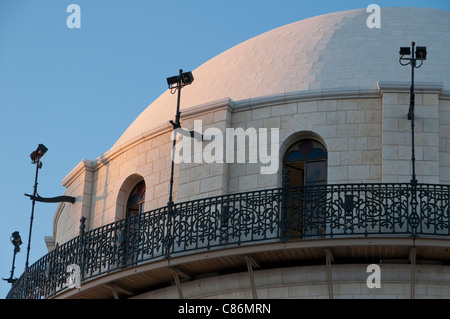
{"x": 16, "y": 240}
{"x": 36, "y": 159}
{"x": 177, "y": 83}
{"x": 421, "y": 55}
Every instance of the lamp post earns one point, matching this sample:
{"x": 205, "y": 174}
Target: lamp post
{"x": 421, "y": 55}
{"x": 176, "y": 83}
{"x": 16, "y": 240}
{"x": 35, "y": 159}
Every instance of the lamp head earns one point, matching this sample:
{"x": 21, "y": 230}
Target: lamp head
{"x": 38, "y": 153}
{"x": 180, "y": 80}
{"x": 405, "y": 51}
{"x": 421, "y": 52}
{"x": 173, "y": 80}
{"x": 187, "y": 78}
{"x": 16, "y": 240}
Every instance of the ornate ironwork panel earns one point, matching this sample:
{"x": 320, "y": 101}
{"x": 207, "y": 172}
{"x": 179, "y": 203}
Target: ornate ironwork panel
{"x": 323, "y": 211}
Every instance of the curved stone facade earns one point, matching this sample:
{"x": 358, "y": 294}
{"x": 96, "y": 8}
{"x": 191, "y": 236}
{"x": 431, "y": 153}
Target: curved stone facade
{"x": 311, "y": 282}
{"x": 329, "y": 79}
{"x": 367, "y": 136}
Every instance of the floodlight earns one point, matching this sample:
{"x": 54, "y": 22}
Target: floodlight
{"x": 187, "y": 78}
{"x": 172, "y": 80}
{"x": 405, "y": 51}
{"x": 16, "y": 240}
{"x": 38, "y": 153}
{"x": 421, "y": 52}
{"x": 182, "y": 79}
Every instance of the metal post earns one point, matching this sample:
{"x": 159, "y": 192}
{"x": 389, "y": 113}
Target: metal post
{"x": 170, "y": 203}
{"x": 11, "y": 279}
{"x": 13, "y": 267}
{"x": 38, "y": 166}
{"x": 82, "y": 242}
{"x": 414, "y": 219}
{"x": 285, "y": 222}
{"x": 175, "y": 126}
{"x": 411, "y": 116}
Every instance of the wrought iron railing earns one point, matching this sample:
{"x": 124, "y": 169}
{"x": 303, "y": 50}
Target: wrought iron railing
{"x": 328, "y": 211}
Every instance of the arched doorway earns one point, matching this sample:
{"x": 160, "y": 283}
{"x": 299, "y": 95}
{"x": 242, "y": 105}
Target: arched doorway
{"x": 304, "y": 177}
{"x": 136, "y": 200}
{"x": 127, "y": 201}
{"x": 128, "y": 234}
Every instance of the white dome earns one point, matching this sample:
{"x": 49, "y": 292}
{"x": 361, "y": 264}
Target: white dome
{"x": 330, "y": 51}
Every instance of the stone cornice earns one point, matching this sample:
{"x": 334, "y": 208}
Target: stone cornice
{"x": 405, "y": 87}
{"x": 445, "y": 95}
{"x": 194, "y": 111}
{"x": 304, "y": 96}
{"x": 84, "y": 165}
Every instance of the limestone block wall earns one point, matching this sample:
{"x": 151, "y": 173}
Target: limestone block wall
{"x": 148, "y": 160}
{"x": 310, "y": 282}
{"x": 102, "y": 187}
{"x": 198, "y": 177}
{"x": 349, "y": 128}
{"x": 444, "y": 141}
{"x": 397, "y": 138}
{"x": 67, "y": 217}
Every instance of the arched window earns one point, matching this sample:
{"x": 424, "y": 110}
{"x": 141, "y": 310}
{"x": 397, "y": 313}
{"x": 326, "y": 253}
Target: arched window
{"x": 305, "y": 163}
{"x": 135, "y": 203}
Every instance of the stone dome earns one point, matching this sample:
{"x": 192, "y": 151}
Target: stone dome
{"x": 332, "y": 51}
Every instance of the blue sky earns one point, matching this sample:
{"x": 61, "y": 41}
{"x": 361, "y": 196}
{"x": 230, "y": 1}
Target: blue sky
{"x": 77, "y": 90}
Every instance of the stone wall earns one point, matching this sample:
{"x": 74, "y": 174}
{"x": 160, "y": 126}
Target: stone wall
{"x": 444, "y": 141}
{"x": 367, "y": 136}
{"x": 397, "y": 138}
{"x": 310, "y": 282}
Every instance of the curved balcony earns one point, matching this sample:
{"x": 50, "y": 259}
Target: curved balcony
{"x": 310, "y": 214}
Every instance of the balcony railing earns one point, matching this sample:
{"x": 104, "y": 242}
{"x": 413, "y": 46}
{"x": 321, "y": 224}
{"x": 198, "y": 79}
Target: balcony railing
{"x": 313, "y": 212}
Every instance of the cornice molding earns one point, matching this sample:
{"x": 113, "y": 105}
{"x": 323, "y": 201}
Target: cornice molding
{"x": 304, "y": 96}
{"x": 405, "y": 87}
{"x": 84, "y": 165}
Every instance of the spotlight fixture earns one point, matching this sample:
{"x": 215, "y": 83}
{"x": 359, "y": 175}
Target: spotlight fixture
{"x": 16, "y": 240}
{"x": 187, "y": 78}
{"x": 421, "y": 52}
{"x": 172, "y": 80}
{"x": 38, "y": 153}
{"x": 180, "y": 80}
{"x": 405, "y": 51}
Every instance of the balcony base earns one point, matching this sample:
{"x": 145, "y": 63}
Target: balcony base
{"x": 149, "y": 278}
